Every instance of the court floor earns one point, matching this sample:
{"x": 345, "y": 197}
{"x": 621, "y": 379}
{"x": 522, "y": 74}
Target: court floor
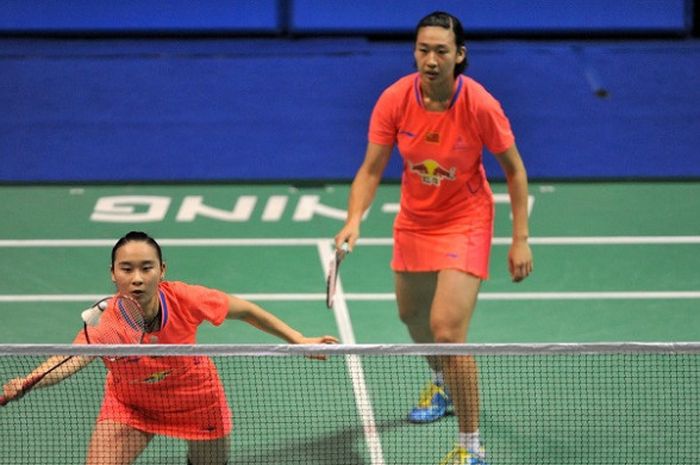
{"x": 613, "y": 261}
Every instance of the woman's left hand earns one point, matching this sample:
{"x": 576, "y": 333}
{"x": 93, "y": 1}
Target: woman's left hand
{"x": 318, "y": 340}
{"x": 520, "y": 260}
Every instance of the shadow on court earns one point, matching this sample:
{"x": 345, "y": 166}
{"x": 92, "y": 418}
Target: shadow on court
{"x": 344, "y": 447}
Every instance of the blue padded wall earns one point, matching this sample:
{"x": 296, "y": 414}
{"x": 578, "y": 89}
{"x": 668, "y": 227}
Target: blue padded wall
{"x": 275, "y": 109}
{"x": 477, "y": 16}
{"x": 356, "y": 17}
{"x": 132, "y": 16}
{"x": 174, "y": 108}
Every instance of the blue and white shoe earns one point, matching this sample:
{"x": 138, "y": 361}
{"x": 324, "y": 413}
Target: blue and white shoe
{"x": 433, "y": 404}
{"x": 461, "y": 456}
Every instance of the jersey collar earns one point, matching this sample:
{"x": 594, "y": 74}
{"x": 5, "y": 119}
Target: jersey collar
{"x": 419, "y": 94}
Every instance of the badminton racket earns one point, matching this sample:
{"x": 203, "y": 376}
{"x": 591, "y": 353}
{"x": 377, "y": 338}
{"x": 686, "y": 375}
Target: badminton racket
{"x": 333, "y": 271}
{"x": 122, "y": 324}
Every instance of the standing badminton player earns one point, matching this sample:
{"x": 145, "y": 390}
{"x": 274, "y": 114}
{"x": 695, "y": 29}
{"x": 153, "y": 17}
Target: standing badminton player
{"x": 181, "y": 397}
{"x": 441, "y": 120}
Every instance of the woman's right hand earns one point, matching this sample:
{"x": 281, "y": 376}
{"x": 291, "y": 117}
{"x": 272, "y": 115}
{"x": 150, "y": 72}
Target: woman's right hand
{"x": 350, "y": 233}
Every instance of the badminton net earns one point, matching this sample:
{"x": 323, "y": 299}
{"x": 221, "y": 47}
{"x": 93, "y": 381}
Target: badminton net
{"x": 558, "y": 404}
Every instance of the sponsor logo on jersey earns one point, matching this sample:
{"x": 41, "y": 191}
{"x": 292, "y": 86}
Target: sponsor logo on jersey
{"x": 431, "y": 172}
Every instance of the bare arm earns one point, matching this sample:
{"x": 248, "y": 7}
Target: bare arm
{"x": 362, "y": 192}
{"x": 13, "y": 389}
{"x": 255, "y": 315}
{"x": 520, "y": 255}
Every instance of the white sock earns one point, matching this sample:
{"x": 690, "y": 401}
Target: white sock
{"x": 470, "y": 441}
{"x": 438, "y": 378}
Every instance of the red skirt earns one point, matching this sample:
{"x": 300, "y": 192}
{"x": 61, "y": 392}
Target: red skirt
{"x": 467, "y": 250}
{"x": 178, "y": 397}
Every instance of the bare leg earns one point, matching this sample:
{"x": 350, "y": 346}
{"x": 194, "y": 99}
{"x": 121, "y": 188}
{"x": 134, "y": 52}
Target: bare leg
{"x": 213, "y": 452}
{"x": 438, "y": 307}
{"x": 414, "y": 296}
{"x": 116, "y": 444}
{"x": 451, "y": 313}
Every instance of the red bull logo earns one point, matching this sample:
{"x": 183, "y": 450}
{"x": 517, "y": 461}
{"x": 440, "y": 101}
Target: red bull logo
{"x": 431, "y": 172}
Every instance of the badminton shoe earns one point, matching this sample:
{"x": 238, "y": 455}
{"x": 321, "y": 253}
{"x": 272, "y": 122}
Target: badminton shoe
{"x": 461, "y": 456}
{"x": 434, "y": 403}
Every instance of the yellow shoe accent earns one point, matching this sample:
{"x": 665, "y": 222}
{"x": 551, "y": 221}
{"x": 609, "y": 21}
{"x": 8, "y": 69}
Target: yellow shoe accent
{"x": 425, "y": 399}
{"x": 433, "y": 404}
{"x": 461, "y": 456}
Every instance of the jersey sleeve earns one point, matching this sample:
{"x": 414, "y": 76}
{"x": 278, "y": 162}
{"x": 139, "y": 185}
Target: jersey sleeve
{"x": 494, "y": 125}
{"x": 382, "y": 124}
{"x": 80, "y": 338}
{"x": 203, "y": 303}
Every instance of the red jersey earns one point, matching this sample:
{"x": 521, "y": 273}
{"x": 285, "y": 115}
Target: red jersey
{"x": 444, "y": 185}
{"x": 177, "y": 396}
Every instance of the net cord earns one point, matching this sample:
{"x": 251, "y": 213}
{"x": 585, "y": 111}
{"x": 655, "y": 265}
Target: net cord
{"x": 353, "y": 349}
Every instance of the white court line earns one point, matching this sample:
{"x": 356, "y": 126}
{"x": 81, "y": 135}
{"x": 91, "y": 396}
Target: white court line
{"x": 342, "y": 316}
{"x": 343, "y": 320}
{"x": 566, "y": 240}
{"x": 95, "y": 297}
{"x": 262, "y": 242}
{"x": 623, "y": 295}
{"x": 357, "y": 375}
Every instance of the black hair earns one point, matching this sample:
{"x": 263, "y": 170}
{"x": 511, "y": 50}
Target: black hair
{"x": 450, "y": 22}
{"x": 136, "y": 236}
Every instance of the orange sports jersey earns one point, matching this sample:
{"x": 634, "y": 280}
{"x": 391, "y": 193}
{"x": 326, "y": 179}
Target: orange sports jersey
{"x": 176, "y": 396}
{"x": 443, "y": 183}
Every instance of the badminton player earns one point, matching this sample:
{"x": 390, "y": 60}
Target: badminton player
{"x": 440, "y": 120}
{"x": 180, "y": 397}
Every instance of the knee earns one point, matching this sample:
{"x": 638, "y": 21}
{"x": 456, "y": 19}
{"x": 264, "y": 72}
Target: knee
{"x": 445, "y": 333}
{"x": 447, "y": 337}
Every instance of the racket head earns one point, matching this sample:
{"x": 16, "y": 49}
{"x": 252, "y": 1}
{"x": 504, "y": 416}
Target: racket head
{"x": 120, "y": 321}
